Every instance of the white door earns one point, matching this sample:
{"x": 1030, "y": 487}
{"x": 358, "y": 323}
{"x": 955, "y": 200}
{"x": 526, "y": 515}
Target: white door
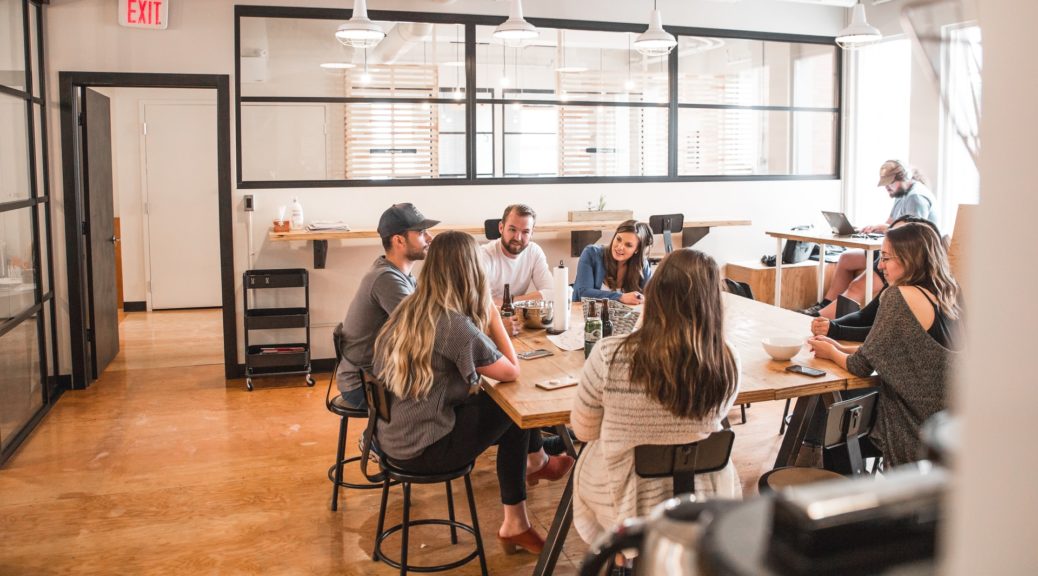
{"x": 181, "y": 205}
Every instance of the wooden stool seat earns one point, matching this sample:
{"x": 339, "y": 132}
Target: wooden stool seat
{"x": 787, "y": 476}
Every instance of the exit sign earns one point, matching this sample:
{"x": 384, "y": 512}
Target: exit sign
{"x": 144, "y": 13}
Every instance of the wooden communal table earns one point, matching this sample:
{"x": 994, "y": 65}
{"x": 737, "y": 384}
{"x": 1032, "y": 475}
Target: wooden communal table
{"x": 581, "y": 233}
{"x": 825, "y": 239}
{"x": 747, "y": 323}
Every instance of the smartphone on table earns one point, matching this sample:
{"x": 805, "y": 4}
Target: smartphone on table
{"x": 538, "y": 353}
{"x": 805, "y": 370}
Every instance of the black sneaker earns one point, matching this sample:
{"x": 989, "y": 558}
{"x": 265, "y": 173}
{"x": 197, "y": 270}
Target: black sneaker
{"x": 813, "y": 310}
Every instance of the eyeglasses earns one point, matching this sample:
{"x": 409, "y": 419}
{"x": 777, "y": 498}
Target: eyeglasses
{"x": 887, "y": 258}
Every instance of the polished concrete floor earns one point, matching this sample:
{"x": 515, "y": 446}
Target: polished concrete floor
{"x": 163, "y": 467}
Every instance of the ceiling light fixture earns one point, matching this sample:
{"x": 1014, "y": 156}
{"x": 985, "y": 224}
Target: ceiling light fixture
{"x": 859, "y": 33}
{"x": 337, "y": 65}
{"x": 516, "y": 30}
{"x": 359, "y": 31}
{"x": 655, "y": 41}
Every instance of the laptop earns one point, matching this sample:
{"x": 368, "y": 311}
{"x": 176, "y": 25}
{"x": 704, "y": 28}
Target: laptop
{"x": 839, "y": 223}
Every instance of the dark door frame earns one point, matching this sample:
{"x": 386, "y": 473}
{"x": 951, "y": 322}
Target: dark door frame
{"x": 75, "y": 249}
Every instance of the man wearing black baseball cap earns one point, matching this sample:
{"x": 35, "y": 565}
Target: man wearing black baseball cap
{"x": 405, "y": 237}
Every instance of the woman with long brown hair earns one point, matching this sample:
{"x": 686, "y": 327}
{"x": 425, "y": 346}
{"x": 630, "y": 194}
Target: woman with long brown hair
{"x": 619, "y": 271}
{"x": 431, "y": 355}
{"x": 670, "y": 382}
{"x": 913, "y": 343}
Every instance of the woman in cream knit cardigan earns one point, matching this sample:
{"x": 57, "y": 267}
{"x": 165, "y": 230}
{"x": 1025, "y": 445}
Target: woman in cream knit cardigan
{"x": 670, "y": 382}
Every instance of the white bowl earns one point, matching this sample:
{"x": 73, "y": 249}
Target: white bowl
{"x": 782, "y": 347}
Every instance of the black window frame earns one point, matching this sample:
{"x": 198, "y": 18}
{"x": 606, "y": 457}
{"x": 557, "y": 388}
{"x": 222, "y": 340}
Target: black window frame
{"x": 39, "y": 195}
{"x": 470, "y": 22}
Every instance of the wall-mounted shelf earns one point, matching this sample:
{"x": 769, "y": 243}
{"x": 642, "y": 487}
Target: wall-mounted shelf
{"x": 581, "y": 234}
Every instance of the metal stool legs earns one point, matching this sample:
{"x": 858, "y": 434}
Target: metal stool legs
{"x": 335, "y": 473}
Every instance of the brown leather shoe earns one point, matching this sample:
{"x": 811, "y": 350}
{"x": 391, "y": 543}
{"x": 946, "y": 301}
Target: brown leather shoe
{"x": 557, "y": 467}
{"x": 530, "y": 541}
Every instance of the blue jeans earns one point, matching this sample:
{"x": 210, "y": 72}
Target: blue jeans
{"x": 355, "y": 398}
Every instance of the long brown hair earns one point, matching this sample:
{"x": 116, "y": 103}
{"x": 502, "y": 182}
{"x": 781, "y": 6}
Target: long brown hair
{"x": 679, "y": 355}
{"x": 451, "y": 280}
{"x": 925, "y": 261}
{"x": 632, "y": 280}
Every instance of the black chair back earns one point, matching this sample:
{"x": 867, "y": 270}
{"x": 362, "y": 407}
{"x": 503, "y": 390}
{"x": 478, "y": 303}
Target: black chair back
{"x": 845, "y": 306}
{"x": 378, "y": 409}
{"x": 683, "y": 461}
{"x": 339, "y": 341}
{"x": 847, "y": 422}
{"x": 738, "y": 288}
{"x": 666, "y": 224}
{"x": 490, "y": 228}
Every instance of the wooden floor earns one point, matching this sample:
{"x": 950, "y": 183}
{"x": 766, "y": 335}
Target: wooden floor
{"x": 163, "y": 467}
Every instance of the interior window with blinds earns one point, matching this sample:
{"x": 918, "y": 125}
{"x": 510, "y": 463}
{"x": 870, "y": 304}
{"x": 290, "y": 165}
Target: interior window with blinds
{"x": 573, "y": 103}
{"x": 752, "y": 107}
{"x": 568, "y": 104}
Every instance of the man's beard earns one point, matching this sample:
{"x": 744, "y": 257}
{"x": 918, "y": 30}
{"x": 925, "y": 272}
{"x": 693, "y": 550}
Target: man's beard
{"x": 414, "y": 254}
{"x": 511, "y": 248}
{"x": 900, "y": 193}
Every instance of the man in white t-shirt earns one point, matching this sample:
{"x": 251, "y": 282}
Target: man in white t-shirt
{"x": 515, "y": 260}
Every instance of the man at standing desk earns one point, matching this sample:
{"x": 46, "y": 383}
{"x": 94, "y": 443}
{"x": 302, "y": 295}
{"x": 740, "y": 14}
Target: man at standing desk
{"x": 405, "y": 238}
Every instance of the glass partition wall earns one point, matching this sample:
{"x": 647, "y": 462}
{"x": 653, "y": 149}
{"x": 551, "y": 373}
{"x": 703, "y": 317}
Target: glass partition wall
{"x": 28, "y": 349}
{"x": 440, "y": 100}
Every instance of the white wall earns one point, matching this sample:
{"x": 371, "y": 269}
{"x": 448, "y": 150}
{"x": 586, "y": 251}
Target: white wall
{"x": 128, "y": 177}
{"x": 995, "y": 508}
{"x": 84, "y": 36}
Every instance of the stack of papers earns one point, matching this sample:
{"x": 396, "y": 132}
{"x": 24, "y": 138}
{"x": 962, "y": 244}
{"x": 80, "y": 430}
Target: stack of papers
{"x": 327, "y": 225}
{"x": 572, "y": 339}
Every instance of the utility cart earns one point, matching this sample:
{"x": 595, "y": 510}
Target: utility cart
{"x": 279, "y": 358}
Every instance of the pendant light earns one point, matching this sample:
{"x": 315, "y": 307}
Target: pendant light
{"x": 655, "y": 41}
{"x": 516, "y": 30}
{"x": 359, "y": 31}
{"x": 859, "y": 33}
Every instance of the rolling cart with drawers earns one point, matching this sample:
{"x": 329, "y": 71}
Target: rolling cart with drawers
{"x": 278, "y": 358}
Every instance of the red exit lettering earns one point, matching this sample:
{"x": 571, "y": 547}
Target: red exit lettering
{"x": 144, "y": 12}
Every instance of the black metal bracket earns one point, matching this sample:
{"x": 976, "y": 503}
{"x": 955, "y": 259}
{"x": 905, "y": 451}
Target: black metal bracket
{"x": 320, "y": 253}
{"x": 580, "y": 239}
{"x": 690, "y": 236}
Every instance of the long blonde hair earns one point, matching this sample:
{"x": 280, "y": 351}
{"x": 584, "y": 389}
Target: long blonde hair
{"x": 679, "y": 355}
{"x": 925, "y": 262}
{"x": 451, "y": 280}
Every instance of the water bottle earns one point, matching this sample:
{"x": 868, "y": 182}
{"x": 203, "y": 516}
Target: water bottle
{"x": 297, "y": 214}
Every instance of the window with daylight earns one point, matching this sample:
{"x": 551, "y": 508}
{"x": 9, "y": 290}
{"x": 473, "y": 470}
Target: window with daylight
{"x": 443, "y": 101}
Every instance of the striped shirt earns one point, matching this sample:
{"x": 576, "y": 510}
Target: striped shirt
{"x": 615, "y": 415}
{"x": 459, "y": 348}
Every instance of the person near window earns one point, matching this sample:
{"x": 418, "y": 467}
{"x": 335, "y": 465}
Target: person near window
{"x": 856, "y": 325}
{"x": 431, "y": 355}
{"x": 911, "y": 198}
{"x": 405, "y": 238}
{"x": 670, "y": 382}
{"x": 913, "y": 344}
{"x": 619, "y": 271}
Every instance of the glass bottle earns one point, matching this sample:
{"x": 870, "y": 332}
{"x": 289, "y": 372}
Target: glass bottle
{"x": 592, "y": 328}
{"x": 607, "y": 325}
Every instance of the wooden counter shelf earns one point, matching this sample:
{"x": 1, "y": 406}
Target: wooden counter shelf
{"x": 581, "y": 233}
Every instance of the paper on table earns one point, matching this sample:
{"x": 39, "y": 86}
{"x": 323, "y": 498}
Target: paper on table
{"x": 572, "y": 339}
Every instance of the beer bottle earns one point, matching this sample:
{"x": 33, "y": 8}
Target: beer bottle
{"x": 507, "y": 310}
{"x": 592, "y": 328}
{"x": 607, "y": 325}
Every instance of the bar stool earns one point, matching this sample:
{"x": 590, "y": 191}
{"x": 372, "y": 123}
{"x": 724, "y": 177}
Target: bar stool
{"x": 378, "y": 408}
{"x": 338, "y": 407}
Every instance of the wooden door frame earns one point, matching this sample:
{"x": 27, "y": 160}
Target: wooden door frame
{"x": 75, "y": 249}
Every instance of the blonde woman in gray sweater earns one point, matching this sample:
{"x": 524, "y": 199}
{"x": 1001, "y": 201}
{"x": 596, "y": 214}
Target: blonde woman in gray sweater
{"x": 670, "y": 382}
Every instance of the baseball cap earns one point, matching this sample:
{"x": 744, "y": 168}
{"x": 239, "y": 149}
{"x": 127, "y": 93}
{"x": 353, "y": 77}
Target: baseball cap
{"x": 400, "y": 218}
{"x": 890, "y": 171}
